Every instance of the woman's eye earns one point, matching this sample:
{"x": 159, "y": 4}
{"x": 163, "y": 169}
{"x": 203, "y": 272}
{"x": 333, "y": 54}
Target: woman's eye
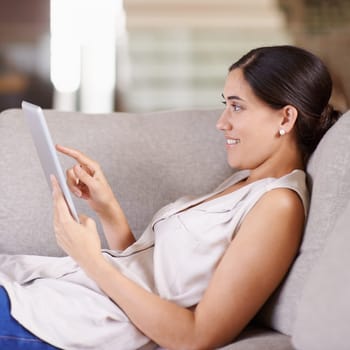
{"x": 236, "y": 108}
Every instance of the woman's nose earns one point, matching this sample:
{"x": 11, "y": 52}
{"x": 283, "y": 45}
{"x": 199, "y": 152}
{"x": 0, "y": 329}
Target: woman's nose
{"x": 223, "y": 123}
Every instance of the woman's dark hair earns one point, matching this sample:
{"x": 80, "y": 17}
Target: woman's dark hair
{"x": 288, "y": 75}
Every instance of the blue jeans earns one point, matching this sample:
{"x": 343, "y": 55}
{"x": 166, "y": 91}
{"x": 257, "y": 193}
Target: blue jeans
{"x": 12, "y": 335}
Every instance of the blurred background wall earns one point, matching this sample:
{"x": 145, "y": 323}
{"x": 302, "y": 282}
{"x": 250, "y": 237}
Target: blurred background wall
{"x": 136, "y": 55}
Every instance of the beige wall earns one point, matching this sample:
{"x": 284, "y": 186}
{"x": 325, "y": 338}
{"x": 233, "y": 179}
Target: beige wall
{"x": 177, "y": 51}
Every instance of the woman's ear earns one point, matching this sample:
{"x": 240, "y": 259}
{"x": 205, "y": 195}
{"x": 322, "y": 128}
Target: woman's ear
{"x": 289, "y": 118}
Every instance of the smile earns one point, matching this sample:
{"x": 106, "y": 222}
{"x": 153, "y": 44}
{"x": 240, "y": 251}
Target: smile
{"x": 232, "y": 141}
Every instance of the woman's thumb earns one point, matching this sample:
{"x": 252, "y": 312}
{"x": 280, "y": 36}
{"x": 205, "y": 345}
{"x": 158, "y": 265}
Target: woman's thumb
{"x": 87, "y": 221}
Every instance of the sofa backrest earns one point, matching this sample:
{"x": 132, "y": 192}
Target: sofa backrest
{"x": 149, "y": 159}
{"x": 329, "y": 180}
{"x": 323, "y": 315}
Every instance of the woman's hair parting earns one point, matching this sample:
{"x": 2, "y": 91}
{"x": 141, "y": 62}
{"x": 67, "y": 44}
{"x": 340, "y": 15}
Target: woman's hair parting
{"x": 288, "y": 75}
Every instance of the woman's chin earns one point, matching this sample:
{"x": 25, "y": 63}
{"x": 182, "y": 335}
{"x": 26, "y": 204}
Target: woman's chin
{"x": 234, "y": 164}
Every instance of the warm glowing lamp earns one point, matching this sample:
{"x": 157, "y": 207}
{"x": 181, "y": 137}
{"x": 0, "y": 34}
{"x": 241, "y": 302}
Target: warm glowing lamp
{"x": 83, "y": 51}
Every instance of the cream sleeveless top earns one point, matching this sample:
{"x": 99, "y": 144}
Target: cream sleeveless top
{"x": 175, "y": 258}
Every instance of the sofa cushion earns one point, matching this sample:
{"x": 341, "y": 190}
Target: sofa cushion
{"x": 329, "y": 173}
{"x": 257, "y": 338}
{"x": 261, "y": 339}
{"x": 149, "y": 159}
{"x": 323, "y": 317}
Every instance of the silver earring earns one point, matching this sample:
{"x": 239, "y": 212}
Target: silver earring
{"x": 282, "y": 132}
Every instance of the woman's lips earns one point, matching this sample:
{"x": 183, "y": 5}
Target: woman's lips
{"x": 232, "y": 141}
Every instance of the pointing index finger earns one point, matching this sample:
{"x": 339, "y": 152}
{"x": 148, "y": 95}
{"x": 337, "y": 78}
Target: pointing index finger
{"x": 77, "y": 155}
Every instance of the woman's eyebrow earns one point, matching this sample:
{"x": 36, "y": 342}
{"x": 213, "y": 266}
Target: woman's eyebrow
{"x": 233, "y": 97}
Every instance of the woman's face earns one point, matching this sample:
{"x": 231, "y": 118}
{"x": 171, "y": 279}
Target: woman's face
{"x": 250, "y": 126}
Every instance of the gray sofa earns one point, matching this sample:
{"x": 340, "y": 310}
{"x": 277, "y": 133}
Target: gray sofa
{"x": 150, "y": 159}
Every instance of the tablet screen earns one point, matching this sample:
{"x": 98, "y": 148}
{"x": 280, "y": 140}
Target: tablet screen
{"x": 46, "y": 151}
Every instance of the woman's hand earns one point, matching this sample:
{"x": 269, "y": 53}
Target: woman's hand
{"x": 86, "y": 180}
{"x": 80, "y": 241}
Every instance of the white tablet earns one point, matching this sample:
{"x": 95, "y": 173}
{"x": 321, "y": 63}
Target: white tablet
{"x": 46, "y": 151}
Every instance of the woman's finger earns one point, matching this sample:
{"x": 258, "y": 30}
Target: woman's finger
{"x": 83, "y": 175}
{"x": 80, "y": 157}
{"x": 72, "y": 179}
{"x": 61, "y": 210}
{"x": 87, "y": 222}
{"x": 73, "y": 182}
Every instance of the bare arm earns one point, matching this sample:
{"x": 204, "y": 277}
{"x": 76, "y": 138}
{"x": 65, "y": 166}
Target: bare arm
{"x": 86, "y": 180}
{"x": 253, "y": 266}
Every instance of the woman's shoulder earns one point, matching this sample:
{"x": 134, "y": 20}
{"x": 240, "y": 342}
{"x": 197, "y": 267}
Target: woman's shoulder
{"x": 294, "y": 181}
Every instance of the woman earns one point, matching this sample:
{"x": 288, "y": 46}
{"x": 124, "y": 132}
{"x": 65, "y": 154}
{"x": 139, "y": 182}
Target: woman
{"x": 207, "y": 261}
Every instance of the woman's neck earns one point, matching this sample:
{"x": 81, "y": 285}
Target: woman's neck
{"x": 281, "y": 163}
